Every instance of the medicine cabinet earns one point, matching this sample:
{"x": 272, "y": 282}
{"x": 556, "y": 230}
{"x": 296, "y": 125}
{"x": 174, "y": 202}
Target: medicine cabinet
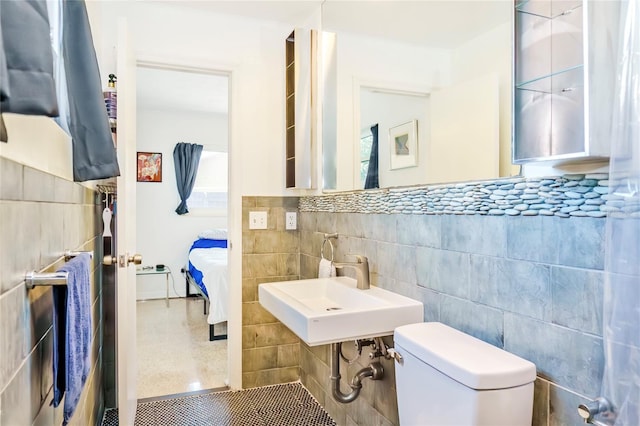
{"x": 564, "y": 74}
{"x": 301, "y": 84}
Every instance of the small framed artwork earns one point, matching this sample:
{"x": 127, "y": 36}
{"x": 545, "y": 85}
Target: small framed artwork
{"x": 149, "y": 166}
{"x": 403, "y": 145}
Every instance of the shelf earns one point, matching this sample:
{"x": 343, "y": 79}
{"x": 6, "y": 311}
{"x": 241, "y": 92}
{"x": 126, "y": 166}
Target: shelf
{"x": 544, "y": 48}
{"x": 561, "y": 81}
{"x": 548, "y": 9}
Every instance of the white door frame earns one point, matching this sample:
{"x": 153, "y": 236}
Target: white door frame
{"x": 234, "y": 217}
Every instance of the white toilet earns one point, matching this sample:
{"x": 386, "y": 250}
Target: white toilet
{"x": 447, "y": 377}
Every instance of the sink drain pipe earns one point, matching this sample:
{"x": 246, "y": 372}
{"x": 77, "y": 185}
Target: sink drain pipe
{"x": 374, "y": 371}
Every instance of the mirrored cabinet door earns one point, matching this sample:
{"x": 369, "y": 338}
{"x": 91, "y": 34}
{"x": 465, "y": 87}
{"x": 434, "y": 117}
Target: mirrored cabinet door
{"x": 563, "y": 86}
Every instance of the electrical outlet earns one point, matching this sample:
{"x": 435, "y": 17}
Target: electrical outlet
{"x": 291, "y": 221}
{"x": 257, "y": 220}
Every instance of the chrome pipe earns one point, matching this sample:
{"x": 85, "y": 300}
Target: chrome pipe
{"x": 374, "y": 371}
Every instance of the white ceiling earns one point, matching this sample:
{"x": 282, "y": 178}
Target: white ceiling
{"x": 171, "y": 89}
{"x": 434, "y": 23}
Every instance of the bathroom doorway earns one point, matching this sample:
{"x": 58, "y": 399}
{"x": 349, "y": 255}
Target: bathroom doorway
{"x": 175, "y": 354}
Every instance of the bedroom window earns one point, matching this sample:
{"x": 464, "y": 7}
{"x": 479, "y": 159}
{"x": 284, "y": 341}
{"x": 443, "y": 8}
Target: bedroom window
{"x": 209, "y": 195}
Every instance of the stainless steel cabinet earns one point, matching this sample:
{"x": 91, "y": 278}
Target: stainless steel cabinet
{"x": 564, "y": 74}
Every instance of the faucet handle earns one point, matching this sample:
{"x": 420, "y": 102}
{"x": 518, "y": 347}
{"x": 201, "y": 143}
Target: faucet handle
{"x": 359, "y": 258}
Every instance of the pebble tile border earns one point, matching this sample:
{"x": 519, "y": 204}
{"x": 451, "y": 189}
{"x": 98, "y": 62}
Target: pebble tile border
{"x": 571, "y": 195}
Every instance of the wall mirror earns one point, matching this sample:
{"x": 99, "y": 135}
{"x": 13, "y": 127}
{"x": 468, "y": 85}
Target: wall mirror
{"x": 443, "y": 66}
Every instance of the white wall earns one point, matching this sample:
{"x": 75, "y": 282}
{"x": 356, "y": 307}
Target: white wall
{"x": 25, "y": 145}
{"x": 162, "y": 235}
{"x": 491, "y": 53}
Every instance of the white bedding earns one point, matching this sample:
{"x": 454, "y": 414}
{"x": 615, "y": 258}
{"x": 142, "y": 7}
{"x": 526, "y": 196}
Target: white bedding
{"x": 212, "y": 262}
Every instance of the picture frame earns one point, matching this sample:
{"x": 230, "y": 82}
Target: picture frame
{"x": 403, "y": 145}
{"x": 149, "y": 166}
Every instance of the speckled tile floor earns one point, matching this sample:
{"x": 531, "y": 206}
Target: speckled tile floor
{"x": 280, "y": 405}
{"x": 174, "y": 352}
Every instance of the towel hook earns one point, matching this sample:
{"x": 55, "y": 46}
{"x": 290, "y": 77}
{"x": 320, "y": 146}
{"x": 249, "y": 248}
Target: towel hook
{"x": 328, "y": 237}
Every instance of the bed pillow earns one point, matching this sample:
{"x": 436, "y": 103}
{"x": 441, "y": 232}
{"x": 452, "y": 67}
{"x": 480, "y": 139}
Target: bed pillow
{"x": 213, "y": 234}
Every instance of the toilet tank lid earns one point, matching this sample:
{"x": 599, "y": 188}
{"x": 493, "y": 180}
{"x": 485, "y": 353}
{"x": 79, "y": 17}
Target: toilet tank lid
{"x": 470, "y": 361}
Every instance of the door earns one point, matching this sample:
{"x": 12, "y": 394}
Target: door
{"x": 125, "y": 230}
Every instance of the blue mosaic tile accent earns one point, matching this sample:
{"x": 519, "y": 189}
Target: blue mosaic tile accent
{"x": 572, "y": 195}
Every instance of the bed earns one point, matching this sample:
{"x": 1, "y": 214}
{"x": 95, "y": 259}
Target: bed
{"x": 207, "y": 273}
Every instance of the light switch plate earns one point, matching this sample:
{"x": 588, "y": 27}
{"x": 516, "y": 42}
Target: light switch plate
{"x": 257, "y": 220}
{"x": 291, "y": 221}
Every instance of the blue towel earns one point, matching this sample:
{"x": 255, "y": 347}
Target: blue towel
{"x": 71, "y": 334}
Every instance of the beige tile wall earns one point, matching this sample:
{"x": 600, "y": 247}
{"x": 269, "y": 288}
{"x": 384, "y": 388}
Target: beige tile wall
{"x": 270, "y": 351}
{"x": 41, "y": 216}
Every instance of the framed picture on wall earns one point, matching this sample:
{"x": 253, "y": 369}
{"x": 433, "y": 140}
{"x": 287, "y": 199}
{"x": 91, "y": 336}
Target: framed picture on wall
{"x": 149, "y": 166}
{"x": 403, "y": 145}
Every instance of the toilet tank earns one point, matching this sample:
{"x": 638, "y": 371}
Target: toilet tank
{"x": 447, "y": 377}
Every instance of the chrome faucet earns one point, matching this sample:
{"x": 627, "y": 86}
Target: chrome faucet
{"x": 361, "y": 265}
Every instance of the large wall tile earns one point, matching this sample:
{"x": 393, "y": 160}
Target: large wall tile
{"x": 382, "y": 227}
{"x": 405, "y": 264}
{"x": 533, "y": 239}
{"x": 352, "y": 224}
{"x": 15, "y": 332}
{"x": 39, "y": 315}
{"x": 431, "y": 301}
{"x": 16, "y": 398}
{"x": 64, "y": 191}
{"x": 419, "y": 230}
{"x": 11, "y": 180}
{"x": 326, "y": 222}
{"x": 20, "y": 243}
{"x": 38, "y": 186}
{"x": 577, "y": 296}
{"x": 386, "y": 259}
{"x": 259, "y": 358}
{"x": 475, "y": 234}
{"x": 566, "y": 357}
{"x": 52, "y": 232}
{"x": 479, "y": 321}
{"x": 624, "y": 257}
{"x": 511, "y": 285}
{"x": 72, "y": 226}
{"x": 563, "y": 406}
{"x": 443, "y": 270}
{"x": 582, "y": 243}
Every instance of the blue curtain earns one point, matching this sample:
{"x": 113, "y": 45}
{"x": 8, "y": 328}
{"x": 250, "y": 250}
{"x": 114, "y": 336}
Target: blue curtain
{"x": 94, "y": 156}
{"x": 186, "y": 157}
{"x": 372, "y": 172}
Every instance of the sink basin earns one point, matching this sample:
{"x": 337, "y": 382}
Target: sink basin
{"x": 331, "y": 310}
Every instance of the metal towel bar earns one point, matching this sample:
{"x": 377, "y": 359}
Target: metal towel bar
{"x": 70, "y": 254}
{"x": 33, "y": 279}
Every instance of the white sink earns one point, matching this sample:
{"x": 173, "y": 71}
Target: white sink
{"x": 330, "y": 310}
